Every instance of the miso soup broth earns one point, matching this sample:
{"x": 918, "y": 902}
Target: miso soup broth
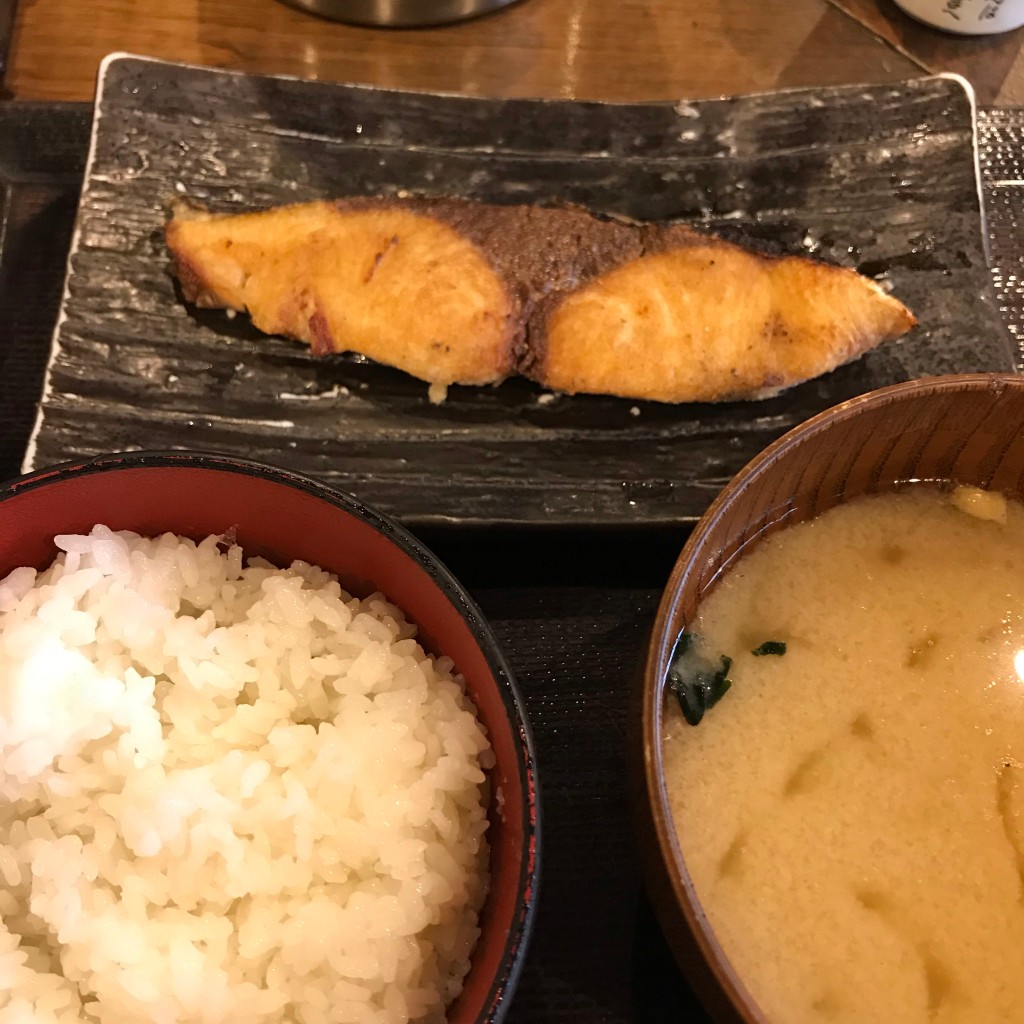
{"x": 851, "y": 811}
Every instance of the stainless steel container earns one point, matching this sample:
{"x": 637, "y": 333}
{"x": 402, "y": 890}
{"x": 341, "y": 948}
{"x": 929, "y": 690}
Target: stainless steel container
{"x": 399, "y": 13}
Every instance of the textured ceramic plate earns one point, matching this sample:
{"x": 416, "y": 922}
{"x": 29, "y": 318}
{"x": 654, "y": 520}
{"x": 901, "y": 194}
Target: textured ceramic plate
{"x": 880, "y": 178}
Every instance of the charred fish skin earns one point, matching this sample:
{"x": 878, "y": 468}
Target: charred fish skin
{"x": 455, "y": 291}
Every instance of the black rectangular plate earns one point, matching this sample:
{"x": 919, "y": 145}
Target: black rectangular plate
{"x": 882, "y": 178}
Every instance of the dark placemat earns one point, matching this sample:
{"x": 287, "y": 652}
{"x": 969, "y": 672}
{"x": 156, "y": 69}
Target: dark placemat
{"x": 42, "y": 157}
{"x": 1001, "y": 160}
{"x": 596, "y": 956}
{"x": 879, "y": 177}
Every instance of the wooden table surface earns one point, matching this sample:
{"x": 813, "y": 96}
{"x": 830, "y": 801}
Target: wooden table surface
{"x": 583, "y": 49}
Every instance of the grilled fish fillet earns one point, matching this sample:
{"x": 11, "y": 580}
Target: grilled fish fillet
{"x": 454, "y": 291}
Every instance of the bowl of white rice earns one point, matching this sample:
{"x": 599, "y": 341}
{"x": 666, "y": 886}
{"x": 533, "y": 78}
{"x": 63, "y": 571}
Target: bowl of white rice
{"x": 261, "y": 758}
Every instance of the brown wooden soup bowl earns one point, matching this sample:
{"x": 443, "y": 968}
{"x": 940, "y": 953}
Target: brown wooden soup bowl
{"x": 959, "y": 430}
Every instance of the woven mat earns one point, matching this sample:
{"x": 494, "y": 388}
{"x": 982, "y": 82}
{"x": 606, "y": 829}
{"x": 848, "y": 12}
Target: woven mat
{"x": 1001, "y": 160}
{"x": 597, "y": 956}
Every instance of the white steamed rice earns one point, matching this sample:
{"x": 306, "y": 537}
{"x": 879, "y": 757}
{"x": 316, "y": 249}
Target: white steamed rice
{"x": 228, "y": 793}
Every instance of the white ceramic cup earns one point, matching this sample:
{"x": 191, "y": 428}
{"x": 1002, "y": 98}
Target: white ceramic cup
{"x": 967, "y": 17}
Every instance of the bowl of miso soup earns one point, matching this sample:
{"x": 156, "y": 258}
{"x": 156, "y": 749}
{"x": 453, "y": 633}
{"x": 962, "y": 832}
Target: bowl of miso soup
{"x": 833, "y": 720}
